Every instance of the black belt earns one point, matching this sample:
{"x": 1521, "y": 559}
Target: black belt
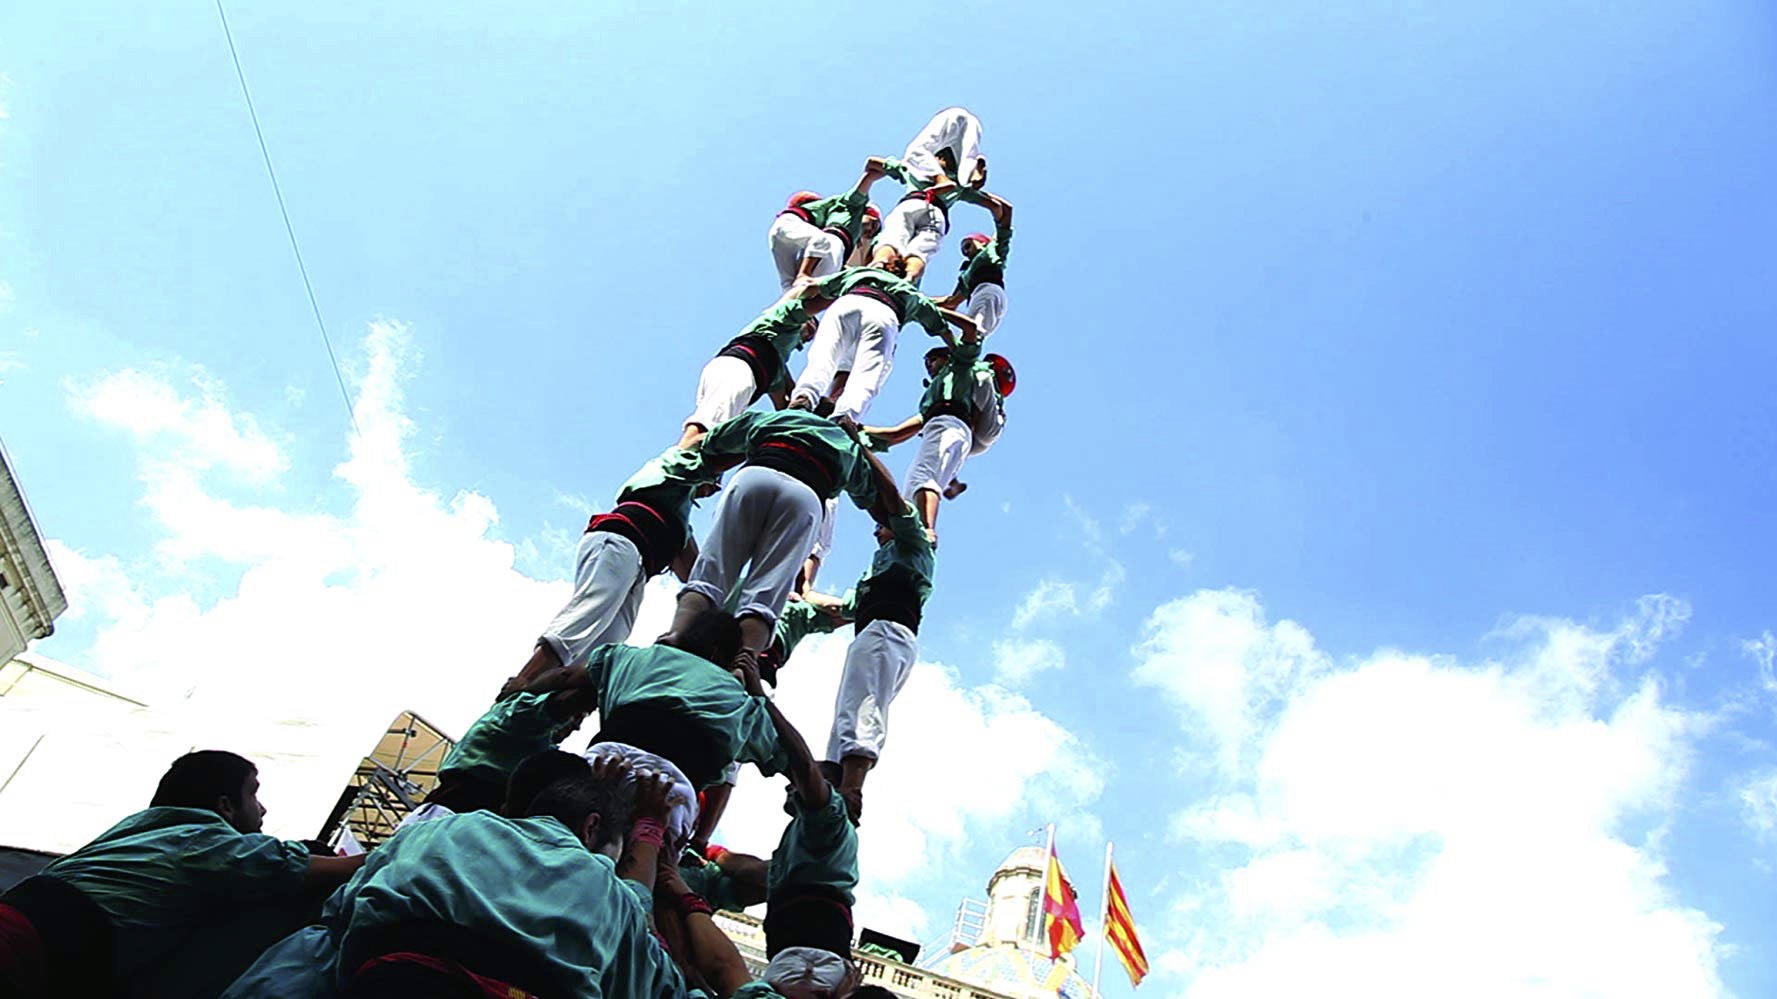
{"x": 951, "y": 407}
{"x": 799, "y": 464}
{"x": 989, "y": 274}
{"x": 484, "y": 954}
{"x": 77, "y": 936}
{"x": 879, "y": 295}
{"x": 845, "y": 242}
{"x": 808, "y": 916}
{"x": 888, "y": 598}
{"x": 657, "y": 537}
{"x": 759, "y": 355}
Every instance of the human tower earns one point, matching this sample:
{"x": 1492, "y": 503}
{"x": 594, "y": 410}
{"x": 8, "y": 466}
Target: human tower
{"x": 679, "y": 717}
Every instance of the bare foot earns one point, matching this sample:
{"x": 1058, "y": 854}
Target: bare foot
{"x": 955, "y": 489}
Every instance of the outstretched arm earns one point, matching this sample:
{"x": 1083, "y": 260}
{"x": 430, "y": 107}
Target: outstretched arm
{"x": 804, "y": 771}
{"x": 686, "y": 558}
{"x": 875, "y": 168}
{"x": 888, "y": 495}
{"x": 971, "y": 332}
{"x": 331, "y": 872}
{"x": 1001, "y": 210}
{"x": 903, "y": 431}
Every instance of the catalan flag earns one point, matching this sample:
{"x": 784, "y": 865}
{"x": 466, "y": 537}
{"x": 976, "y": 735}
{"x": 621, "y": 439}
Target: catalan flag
{"x": 1061, "y": 911}
{"x": 1119, "y": 929}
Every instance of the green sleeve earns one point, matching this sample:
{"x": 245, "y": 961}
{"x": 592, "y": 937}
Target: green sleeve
{"x": 924, "y": 311}
{"x": 893, "y": 168}
{"x": 860, "y": 485}
{"x": 756, "y": 990}
{"x": 713, "y": 883}
{"x": 728, "y": 438}
{"x": 834, "y": 285}
{"x": 909, "y": 531}
{"x": 964, "y": 192}
{"x": 223, "y": 863}
{"x": 791, "y": 313}
{"x": 1002, "y": 242}
{"x": 823, "y": 207}
{"x": 501, "y": 739}
{"x": 965, "y": 354}
{"x": 758, "y": 739}
{"x": 826, "y": 830}
{"x": 684, "y": 466}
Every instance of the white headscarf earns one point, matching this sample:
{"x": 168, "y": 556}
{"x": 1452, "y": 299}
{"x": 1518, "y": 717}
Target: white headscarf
{"x": 681, "y": 800}
{"x": 821, "y": 970}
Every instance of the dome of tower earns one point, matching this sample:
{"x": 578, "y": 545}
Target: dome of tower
{"x": 1013, "y": 970}
{"x": 1025, "y": 858}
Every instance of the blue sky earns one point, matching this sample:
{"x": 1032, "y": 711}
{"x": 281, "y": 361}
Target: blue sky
{"x": 1361, "y": 347}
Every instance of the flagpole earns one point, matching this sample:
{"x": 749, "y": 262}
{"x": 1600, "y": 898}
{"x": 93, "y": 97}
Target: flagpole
{"x": 1104, "y": 920}
{"x": 1048, "y": 857}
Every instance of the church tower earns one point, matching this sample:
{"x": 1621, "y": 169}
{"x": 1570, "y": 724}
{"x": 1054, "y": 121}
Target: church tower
{"x": 1009, "y": 955}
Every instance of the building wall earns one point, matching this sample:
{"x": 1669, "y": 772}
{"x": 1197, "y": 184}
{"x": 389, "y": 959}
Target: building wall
{"x": 31, "y": 597}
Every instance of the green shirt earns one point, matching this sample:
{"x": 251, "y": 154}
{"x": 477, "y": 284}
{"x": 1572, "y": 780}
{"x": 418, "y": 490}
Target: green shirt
{"x": 667, "y": 481}
{"x": 694, "y": 687}
{"x": 955, "y": 384}
{"x": 781, "y": 327}
{"x": 907, "y": 555}
{"x": 163, "y": 872}
{"x": 747, "y": 433}
{"x": 513, "y": 729}
{"x": 713, "y": 883}
{"x": 529, "y": 882}
{"x": 841, "y": 211}
{"x": 914, "y": 307}
{"x": 988, "y": 265}
{"x": 897, "y": 169}
{"x": 819, "y": 849}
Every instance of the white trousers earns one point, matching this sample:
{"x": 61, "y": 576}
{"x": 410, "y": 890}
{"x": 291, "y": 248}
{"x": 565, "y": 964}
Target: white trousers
{"x": 724, "y": 391}
{"x": 764, "y": 518}
{"x": 987, "y": 306}
{"x": 876, "y": 668}
{"x": 954, "y": 129}
{"x": 792, "y": 238}
{"x": 608, "y": 584}
{"x": 823, "y": 535}
{"x": 944, "y": 445}
{"x": 914, "y": 228}
{"x": 856, "y": 333}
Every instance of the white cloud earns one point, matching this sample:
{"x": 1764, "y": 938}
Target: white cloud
{"x": 1180, "y": 557}
{"x": 1133, "y": 515}
{"x": 1763, "y": 651}
{"x": 1758, "y": 801}
{"x": 1214, "y": 657}
{"x": 199, "y": 434}
{"x": 1424, "y": 827}
{"x": 1050, "y": 599}
{"x": 1016, "y": 660}
{"x": 402, "y": 598}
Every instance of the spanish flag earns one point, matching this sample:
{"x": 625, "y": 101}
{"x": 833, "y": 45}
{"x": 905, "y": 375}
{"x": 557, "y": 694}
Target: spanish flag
{"x": 1119, "y": 929}
{"x": 1061, "y": 912}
